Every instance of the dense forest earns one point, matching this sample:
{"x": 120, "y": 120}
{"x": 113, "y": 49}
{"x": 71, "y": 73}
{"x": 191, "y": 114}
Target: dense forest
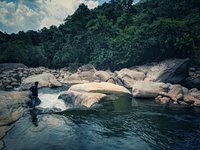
{"x": 112, "y": 36}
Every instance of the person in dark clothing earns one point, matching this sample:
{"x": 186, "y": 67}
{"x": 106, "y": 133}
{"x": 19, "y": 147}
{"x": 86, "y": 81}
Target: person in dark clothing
{"x": 35, "y": 99}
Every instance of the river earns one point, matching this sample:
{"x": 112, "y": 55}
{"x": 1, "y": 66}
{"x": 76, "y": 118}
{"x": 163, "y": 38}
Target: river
{"x": 123, "y": 124}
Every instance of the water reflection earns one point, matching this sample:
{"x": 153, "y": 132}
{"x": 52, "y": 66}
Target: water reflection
{"x": 123, "y": 123}
{"x": 34, "y": 118}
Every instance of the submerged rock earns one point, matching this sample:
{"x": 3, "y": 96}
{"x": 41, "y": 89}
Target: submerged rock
{"x": 45, "y": 80}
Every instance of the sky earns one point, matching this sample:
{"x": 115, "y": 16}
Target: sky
{"x": 18, "y": 15}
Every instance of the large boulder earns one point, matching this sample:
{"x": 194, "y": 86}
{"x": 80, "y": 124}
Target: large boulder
{"x": 89, "y": 94}
{"x": 176, "y": 91}
{"x": 102, "y": 76}
{"x": 103, "y": 87}
{"x": 129, "y": 77}
{"x": 193, "y": 96}
{"x": 87, "y": 67}
{"x": 84, "y": 74}
{"x": 74, "y": 99}
{"x": 148, "y": 89}
{"x": 45, "y": 80}
{"x": 168, "y": 71}
{"x": 12, "y": 105}
{"x": 11, "y": 66}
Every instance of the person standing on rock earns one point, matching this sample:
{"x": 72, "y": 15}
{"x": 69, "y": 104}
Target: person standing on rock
{"x": 35, "y": 100}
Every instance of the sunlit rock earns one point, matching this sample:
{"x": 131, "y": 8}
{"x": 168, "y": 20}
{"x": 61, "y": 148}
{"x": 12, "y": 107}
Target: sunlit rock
{"x": 45, "y": 80}
{"x": 74, "y": 99}
{"x": 92, "y": 93}
{"x": 148, "y": 89}
{"x": 102, "y": 87}
{"x": 129, "y": 77}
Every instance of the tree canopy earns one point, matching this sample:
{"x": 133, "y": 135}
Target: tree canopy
{"x": 112, "y": 36}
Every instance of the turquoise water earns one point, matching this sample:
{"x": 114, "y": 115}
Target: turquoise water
{"x": 123, "y": 124}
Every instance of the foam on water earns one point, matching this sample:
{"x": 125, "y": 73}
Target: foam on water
{"x": 51, "y": 101}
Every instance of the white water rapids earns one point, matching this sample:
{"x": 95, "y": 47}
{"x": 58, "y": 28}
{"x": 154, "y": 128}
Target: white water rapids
{"x": 50, "y": 101}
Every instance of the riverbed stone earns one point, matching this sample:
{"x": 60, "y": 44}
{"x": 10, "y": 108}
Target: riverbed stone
{"x": 169, "y": 71}
{"x": 189, "y": 99}
{"x": 176, "y": 91}
{"x": 74, "y": 99}
{"x": 9, "y": 87}
{"x": 196, "y": 94}
{"x": 79, "y": 77}
{"x": 129, "y": 77}
{"x": 45, "y": 80}
{"x": 14, "y": 84}
{"x": 102, "y": 87}
{"x": 197, "y": 103}
{"x": 111, "y": 80}
{"x": 164, "y": 100}
{"x": 102, "y": 76}
{"x": 148, "y": 89}
{"x": 89, "y": 94}
{"x": 87, "y": 67}
{"x": 11, "y": 66}
{"x": 12, "y": 105}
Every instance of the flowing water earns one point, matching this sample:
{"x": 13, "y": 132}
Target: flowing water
{"x": 123, "y": 124}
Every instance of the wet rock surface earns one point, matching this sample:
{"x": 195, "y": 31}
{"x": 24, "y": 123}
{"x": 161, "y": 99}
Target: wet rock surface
{"x": 12, "y": 106}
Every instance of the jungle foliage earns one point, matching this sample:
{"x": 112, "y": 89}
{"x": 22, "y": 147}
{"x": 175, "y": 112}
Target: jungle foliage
{"x": 112, "y": 36}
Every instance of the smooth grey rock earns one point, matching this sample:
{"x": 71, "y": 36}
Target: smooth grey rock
{"x": 169, "y": 71}
{"x": 148, "y": 89}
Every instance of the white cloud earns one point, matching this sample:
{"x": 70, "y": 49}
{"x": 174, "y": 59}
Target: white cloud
{"x": 55, "y": 11}
{"x": 34, "y": 15}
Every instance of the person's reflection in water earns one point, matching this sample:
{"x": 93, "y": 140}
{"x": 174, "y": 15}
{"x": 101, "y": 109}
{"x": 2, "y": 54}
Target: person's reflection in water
{"x": 34, "y": 117}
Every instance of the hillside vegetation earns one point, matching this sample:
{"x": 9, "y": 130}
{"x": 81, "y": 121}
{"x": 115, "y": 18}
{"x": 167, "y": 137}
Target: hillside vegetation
{"x": 112, "y": 36}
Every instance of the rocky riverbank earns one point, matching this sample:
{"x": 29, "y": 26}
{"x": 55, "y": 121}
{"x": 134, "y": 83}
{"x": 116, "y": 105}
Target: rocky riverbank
{"x": 156, "y": 80}
{"x": 161, "y": 81}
